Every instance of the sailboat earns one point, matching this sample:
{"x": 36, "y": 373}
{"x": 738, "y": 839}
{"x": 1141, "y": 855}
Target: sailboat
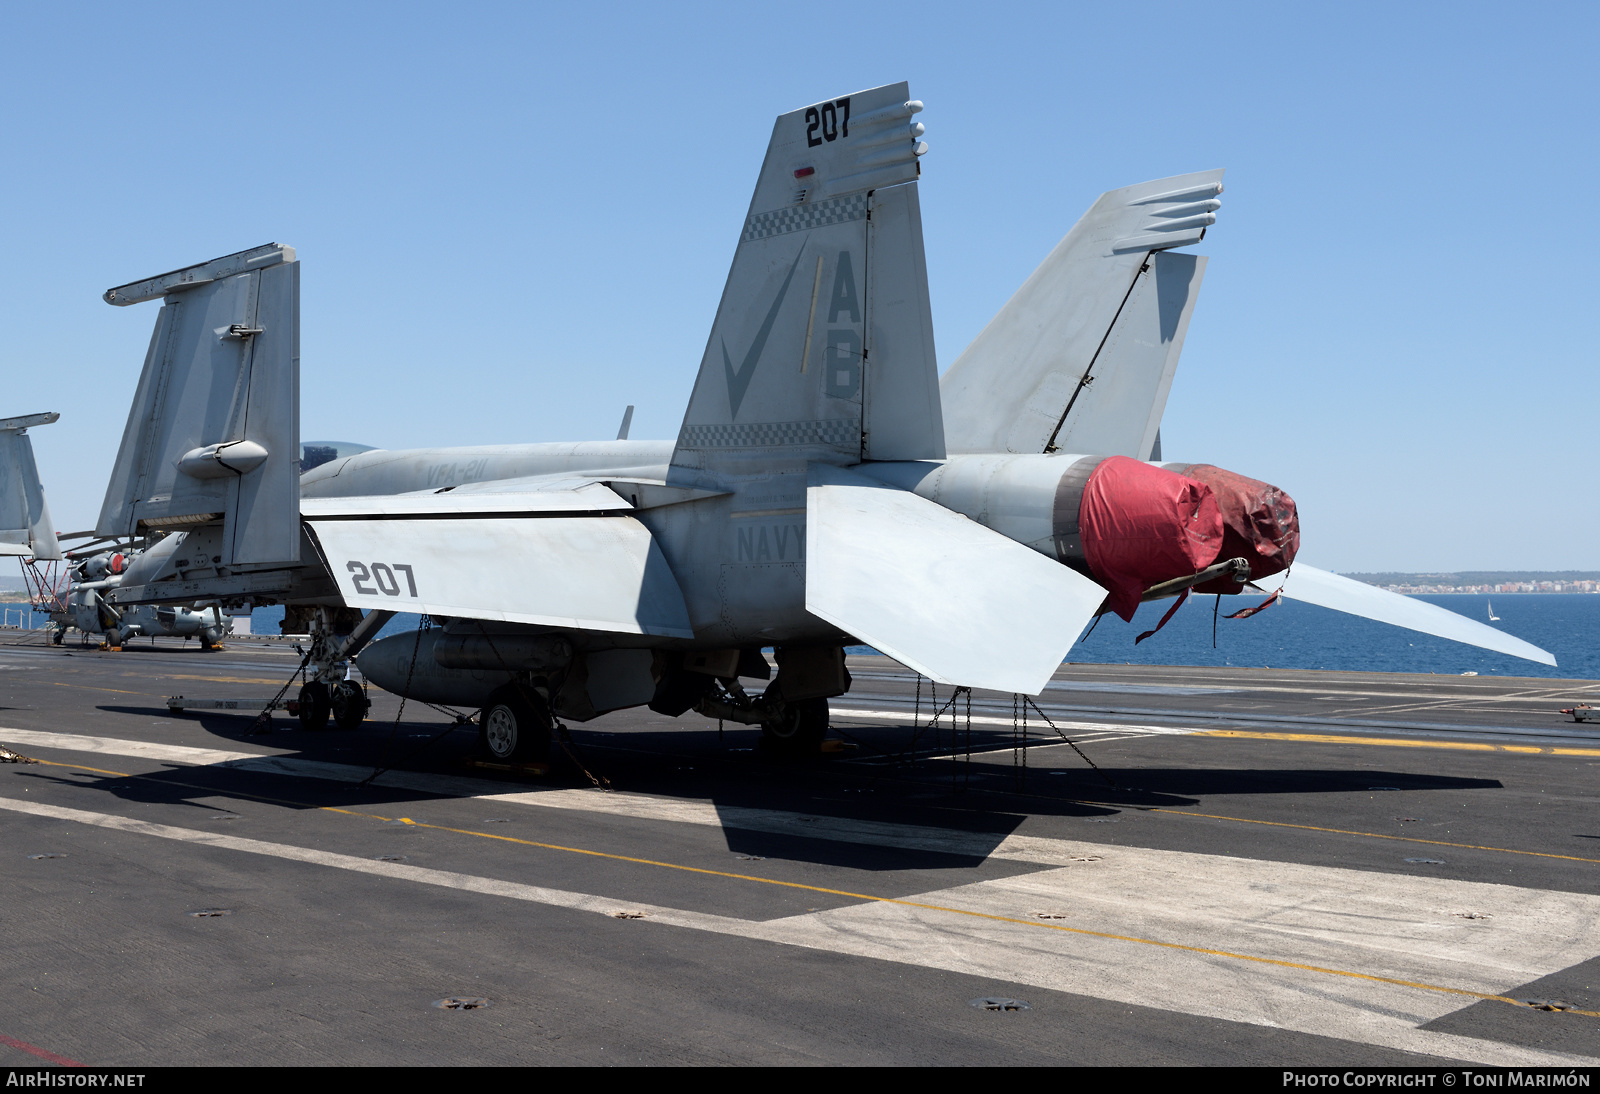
{"x": 1492, "y": 617}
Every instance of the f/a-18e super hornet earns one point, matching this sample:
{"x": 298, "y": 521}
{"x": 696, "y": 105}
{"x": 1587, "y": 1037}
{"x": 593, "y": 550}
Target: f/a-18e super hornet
{"x": 825, "y": 488}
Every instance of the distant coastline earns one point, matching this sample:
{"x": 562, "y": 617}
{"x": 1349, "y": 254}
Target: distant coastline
{"x": 1483, "y": 582}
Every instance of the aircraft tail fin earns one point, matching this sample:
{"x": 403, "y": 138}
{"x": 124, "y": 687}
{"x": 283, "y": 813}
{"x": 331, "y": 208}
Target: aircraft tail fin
{"x": 1082, "y": 357}
{"x": 214, "y": 431}
{"x": 26, "y": 529}
{"x": 822, "y": 347}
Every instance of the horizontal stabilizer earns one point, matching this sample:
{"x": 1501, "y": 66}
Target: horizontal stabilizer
{"x": 573, "y": 572}
{"x": 1342, "y": 594}
{"x": 26, "y": 529}
{"x": 936, "y": 591}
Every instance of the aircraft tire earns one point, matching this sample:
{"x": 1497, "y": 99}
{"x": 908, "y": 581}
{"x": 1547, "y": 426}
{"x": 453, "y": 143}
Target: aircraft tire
{"x": 113, "y": 639}
{"x": 349, "y": 704}
{"x": 797, "y": 728}
{"x": 514, "y": 728}
{"x": 315, "y": 705}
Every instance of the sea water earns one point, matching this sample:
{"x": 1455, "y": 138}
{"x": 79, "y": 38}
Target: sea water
{"x": 1294, "y": 635}
{"x": 1291, "y": 635}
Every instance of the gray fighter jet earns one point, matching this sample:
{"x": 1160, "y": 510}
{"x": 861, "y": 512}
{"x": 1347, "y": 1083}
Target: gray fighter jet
{"x": 84, "y": 596}
{"x": 825, "y": 488}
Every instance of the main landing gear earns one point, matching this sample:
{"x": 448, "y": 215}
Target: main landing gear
{"x": 349, "y": 704}
{"x": 796, "y": 728}
{"x": 315, "y": 704}
{"x": 792, "y": 710}
{"x": 515, "y": 726}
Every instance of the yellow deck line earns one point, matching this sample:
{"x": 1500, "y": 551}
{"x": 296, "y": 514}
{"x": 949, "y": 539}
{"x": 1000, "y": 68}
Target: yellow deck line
{"x": 84, "y": 767}
{"x": 1394, "y": 742}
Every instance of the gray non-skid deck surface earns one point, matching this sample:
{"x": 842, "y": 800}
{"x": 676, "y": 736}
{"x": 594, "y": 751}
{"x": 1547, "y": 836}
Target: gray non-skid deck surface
{"x": 1269, "y": 867}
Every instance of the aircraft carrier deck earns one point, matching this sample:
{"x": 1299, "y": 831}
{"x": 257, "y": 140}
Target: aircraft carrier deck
{"x": 1259, "y": 867}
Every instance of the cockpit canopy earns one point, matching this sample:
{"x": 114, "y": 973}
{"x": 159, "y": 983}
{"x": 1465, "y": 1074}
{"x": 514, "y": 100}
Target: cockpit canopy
{"x": 317, "y": 453}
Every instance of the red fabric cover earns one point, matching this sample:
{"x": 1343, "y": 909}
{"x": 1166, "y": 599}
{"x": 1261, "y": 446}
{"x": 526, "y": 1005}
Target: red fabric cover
{"x": 1246, "y": 613}
{"x": 1141, "y": 525}
{"x": 1172, "y": 611}
{"x": 1260, "y": 523}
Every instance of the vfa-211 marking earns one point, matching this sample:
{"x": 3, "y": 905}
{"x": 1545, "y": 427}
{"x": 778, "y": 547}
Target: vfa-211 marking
{"x": 385, "y": 575}
{"x": 453, "y": 474}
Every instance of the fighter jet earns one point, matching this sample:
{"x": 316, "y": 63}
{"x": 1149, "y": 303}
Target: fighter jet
{"x": 817, "y": 494}
{"x": 84, "y": 597}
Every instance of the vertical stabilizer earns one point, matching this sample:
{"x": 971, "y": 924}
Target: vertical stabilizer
{"x": 1082, "y": 357}
{"x": 1118, "y": 411}
{"x": 902, "y": 419}
{"x": 214, "y": 432}
{"x": 25, "y": 526}
{"x": 822, "y": 347}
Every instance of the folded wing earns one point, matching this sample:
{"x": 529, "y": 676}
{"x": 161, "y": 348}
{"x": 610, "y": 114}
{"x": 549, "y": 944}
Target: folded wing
{"x": 214, "y": 431}
{"x": 25, "y": 526}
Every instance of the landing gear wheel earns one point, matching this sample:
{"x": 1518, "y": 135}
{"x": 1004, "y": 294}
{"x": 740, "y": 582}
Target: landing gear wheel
{"x": 349, "y": 704}
{"x": 514, "y": 728}
{"x": 113, "y": 639}
{"x": 797, "y": 728}
{"x": 59, "y": 637}
{"x": 315, "y": 705}
{"x": 210, "y": 640}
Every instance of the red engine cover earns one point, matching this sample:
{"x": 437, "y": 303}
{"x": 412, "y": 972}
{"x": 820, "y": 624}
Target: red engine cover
{"x": 1260, "y": 523}
{"x": 1142, "y": 525}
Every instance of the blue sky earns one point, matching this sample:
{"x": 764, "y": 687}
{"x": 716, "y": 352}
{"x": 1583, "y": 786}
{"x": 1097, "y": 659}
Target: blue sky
{"x": 516, "y": 219}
